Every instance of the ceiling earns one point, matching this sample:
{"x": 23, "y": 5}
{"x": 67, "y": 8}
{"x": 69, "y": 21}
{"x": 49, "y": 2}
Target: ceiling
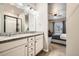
{"x": 10, "y": 8}
{"x": 16, "y": 8}
{"x": 53, "y": 8}
{"x": 56, "y": 10}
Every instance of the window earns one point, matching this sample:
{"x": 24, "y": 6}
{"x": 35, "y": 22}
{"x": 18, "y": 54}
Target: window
{"x": 58, "y": 28}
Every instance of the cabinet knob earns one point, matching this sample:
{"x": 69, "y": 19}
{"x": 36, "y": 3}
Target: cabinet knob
{"x": 31, "y": 48}
{"x": 35, "y": 41}
{"x": 31, "y": 44}
{"x": 31, "y": 38}
{"x": 25, "y": 45}
{"x": 31, "y": 54}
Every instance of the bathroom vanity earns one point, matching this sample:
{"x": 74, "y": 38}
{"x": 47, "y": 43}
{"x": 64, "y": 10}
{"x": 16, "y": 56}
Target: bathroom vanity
{"x": 23, "y": 44}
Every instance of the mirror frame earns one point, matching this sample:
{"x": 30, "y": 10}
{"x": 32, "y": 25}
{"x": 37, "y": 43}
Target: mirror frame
{"x": 16, "y": 22}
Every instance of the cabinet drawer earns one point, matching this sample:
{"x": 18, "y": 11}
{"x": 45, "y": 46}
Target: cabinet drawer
{"x": 40, "y": 37}
{"x": 30, "y": 39}
{"x": 31, "y": 44}
{"x": 31, "y": 49}
{"x": 31, "y": 53}
{"x": 12, "y": 44}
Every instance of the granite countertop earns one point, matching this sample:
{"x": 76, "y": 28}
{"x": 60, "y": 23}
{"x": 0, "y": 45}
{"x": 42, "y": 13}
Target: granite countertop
{"x": 18, "y": 36}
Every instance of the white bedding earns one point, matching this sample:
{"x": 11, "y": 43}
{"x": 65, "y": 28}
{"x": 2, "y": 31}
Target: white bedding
{"x": 57, "y": 34}
{"x": 63, "y": 36}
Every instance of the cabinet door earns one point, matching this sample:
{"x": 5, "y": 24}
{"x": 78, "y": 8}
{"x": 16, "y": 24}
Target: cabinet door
{"x": 39, "y": 43}
{"x": 18, "y": 51}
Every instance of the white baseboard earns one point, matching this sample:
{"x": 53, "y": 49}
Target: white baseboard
{"x": 45, "y": 50}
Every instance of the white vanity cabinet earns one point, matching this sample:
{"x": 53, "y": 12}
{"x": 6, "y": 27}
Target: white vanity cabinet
{"x": 38, "y": 43}
{"x": 32, "y": 23}
{"x": 29, "y": 46}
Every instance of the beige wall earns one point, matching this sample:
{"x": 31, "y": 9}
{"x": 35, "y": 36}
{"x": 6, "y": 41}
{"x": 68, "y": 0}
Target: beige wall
{"x": 72, "y": 29}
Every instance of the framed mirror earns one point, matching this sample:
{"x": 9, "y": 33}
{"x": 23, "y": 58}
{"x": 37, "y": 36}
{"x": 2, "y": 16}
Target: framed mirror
{"x": 12, "y": 24}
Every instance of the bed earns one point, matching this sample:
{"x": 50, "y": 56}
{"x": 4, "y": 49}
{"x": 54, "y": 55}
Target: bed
{"x": 60, "y": 39}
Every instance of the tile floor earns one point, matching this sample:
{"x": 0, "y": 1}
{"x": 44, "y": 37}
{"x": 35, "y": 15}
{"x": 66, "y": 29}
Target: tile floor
{"x": 54, "y": 50}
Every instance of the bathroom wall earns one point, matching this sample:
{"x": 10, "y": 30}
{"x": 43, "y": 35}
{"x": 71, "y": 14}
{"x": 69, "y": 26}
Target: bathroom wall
{"x": 22, "y": 16}
{"x": 32, "y": 22}
{"x": 72, "y": 25}
{"x": 1, "y": 19}
{"x": 27, "y": 22}
{"x": 1, "y": 23}
{"x": 42, "y": 8}
{"x": 7, "y": 9}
